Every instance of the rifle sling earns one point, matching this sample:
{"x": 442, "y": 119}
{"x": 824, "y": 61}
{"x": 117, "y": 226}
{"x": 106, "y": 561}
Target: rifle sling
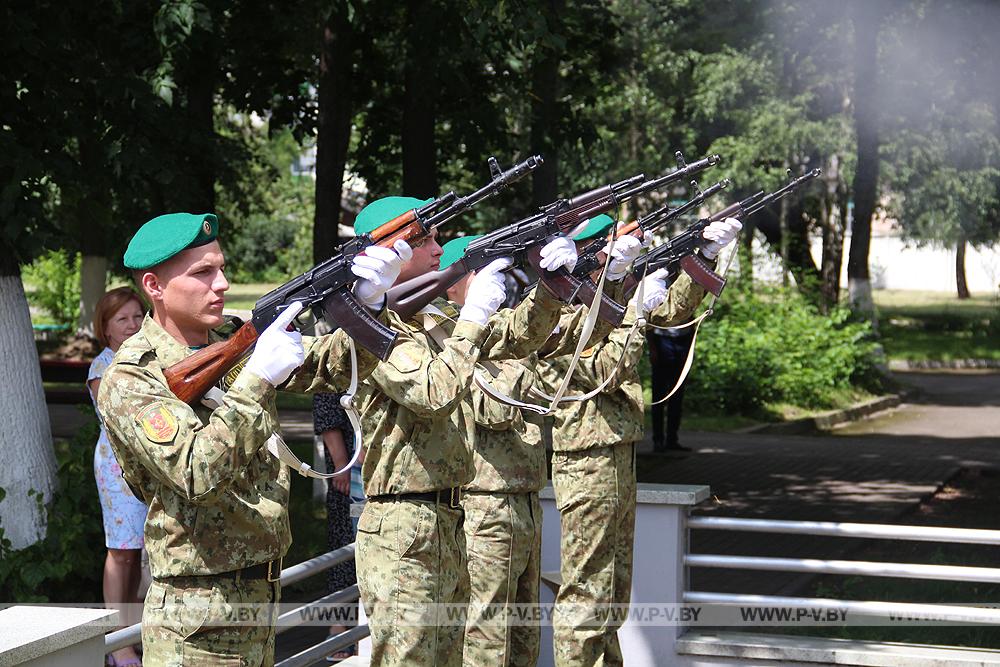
{"x": 276, "y": 444}
{"x": 696, "y": 323}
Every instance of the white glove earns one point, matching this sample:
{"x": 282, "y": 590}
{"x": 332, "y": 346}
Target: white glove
{"x": 720, "y": 234}
{"x": 654, "y": 291}
{"x": 626, "y": 249}
{"x": 487, "y": 290}
{"x": 278, "y": 352}
{"x": 647, "y": 239}
{"x": 378, "y": 269}
{"x": 559, "y": 252}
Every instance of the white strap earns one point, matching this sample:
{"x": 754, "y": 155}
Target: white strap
{"x": 277, "y": 446}
{"x": 560, "y": 397}
{"x": 696, "y": 323}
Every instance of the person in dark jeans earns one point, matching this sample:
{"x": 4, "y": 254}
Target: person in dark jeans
{"x": 332, "y": 425}
{"x": 668, "y": 350}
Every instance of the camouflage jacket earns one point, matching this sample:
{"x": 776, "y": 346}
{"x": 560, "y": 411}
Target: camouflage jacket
{"x": 508, "y": 454}
{"x": 417, "y": 411}
{"x": 616, "y": 414}
{"x": 217, "y": 499}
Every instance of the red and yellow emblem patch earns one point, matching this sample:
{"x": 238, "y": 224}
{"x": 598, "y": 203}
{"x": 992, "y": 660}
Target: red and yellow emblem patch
{"x": 157, "y": 423}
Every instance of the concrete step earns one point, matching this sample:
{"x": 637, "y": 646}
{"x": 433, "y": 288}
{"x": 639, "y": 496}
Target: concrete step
{"x": 789, "y": 650}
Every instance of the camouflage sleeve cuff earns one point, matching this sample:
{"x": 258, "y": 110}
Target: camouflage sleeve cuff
{"x": 250, "y": 384}
{"x": 544, "y": 298}
{"x": 470, "y": 331}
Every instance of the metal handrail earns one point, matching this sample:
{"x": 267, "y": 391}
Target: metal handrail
{"x": 865, "y": 530}
{"x": 942, "y": 612}
{"x": 287, "y": 621}
{"x": 326, "y": 647}
{"x": 290, "y": 575}
{"x": 864, "y": 568}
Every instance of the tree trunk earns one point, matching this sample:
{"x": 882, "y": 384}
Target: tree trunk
{"x": 867, "y": 17}
{"x": 960, "y": 281}
{"x": 544, "y": 110}
{"x": 420, "y": 177}
{"x": 834, "y": 208}
{"x": 336, "y": 109}
{"x": 199, "y": 82}
{"x": 800, "y": 260}
{"x": 93, "y": 280}
{"x": 745, "y": 277}
{"x": 27, "y": 459}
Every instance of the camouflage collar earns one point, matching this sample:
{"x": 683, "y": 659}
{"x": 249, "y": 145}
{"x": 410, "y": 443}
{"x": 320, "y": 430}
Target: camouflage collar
{"x": 167, "y": 348}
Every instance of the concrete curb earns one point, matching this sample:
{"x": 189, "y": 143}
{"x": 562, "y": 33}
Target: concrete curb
{"x": 827, "y": 420}
{"x": 954, "y": 364}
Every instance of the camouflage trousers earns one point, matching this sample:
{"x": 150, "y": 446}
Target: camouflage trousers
{"x": 503, "y": 534}
{"x": 595, "y": 494}
{"x": 194, "y": 621}
{"x": 411, "y": 562}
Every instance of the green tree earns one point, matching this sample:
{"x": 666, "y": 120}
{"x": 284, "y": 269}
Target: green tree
{"x": 943, "y": 145}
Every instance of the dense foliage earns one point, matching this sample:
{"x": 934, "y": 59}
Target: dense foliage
{"x": 771, "y": 346}
{"x": 54, "y": 281}
{"x": 67, "y": 565}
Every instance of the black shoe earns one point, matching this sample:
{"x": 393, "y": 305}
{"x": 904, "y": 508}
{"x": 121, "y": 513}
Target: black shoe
{"x": 676, "y": 447}
{"x": 658, "y": 446}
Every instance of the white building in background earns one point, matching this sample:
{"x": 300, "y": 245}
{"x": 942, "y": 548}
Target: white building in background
{"x": 900, "y": 265}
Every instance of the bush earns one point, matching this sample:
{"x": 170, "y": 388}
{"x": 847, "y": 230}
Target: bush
{"x": 772, "y": 346}
{"x": 68, "y": 565}
{"x": 55, "y": 281}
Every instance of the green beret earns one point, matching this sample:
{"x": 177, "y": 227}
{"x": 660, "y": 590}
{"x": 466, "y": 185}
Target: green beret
{"x": 164, "y": 236}
{"x": 454, "y": 250}
{"x": 598, "y": 226}
{"x": 383, "y": 210}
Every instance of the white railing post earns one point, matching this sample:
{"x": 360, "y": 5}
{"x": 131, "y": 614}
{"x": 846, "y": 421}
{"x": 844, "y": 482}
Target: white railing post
{"x": 658, "y": 571}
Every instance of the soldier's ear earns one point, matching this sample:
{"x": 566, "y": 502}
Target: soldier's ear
{"x": 151, "y": 286}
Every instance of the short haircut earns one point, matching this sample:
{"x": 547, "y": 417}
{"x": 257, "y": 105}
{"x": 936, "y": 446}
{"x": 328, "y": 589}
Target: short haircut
{"x": 108, "y": 305}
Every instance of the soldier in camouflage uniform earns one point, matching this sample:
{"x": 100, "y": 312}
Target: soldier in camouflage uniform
{"x": 217, "y": 525}
{"x": 419, "y": 422}
{"x": 503, "y": 515}
{"x": 593, "y": 470}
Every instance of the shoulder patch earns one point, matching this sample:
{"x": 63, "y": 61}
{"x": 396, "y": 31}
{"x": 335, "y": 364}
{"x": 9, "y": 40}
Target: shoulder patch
{"x": 589, "y": 352}
{"x": 157, "y": 423}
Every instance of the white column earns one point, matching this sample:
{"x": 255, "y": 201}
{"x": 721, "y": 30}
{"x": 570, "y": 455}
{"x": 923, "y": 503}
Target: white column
{"x": 54, "y": 636}
{"x": 658, "y": 576}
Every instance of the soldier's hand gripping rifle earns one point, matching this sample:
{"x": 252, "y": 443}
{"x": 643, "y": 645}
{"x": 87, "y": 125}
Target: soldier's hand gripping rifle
{"x": 678, "y": 253}
{"x": 591, "y": 256}
{"x": 326, "y": 289}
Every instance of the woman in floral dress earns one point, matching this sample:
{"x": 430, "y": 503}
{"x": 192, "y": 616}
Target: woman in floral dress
{"x": 118, "y": 315}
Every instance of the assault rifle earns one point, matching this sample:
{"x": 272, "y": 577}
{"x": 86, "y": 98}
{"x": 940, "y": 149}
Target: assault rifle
{"x": 678, "y": 253}
{"x": 326, "y": 289}
{"x": 590, "y": 255}
{"x": 523, "y": 240}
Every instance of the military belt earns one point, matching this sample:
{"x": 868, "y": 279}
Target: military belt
{"x": 451, "y": 497}
{"x": 271, "y": 571}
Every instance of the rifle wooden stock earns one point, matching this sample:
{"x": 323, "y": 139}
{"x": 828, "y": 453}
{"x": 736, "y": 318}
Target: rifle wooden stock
{"x": 190, "y": 378}
{"x": 408, "y": 233}
{"x": 387, "y": 230}
{"x": 728, "y": 212}
{"x": 408, "y": 298}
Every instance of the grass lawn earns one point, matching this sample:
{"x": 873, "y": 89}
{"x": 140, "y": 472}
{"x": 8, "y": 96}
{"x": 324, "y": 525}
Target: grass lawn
{"x": 921, "y": 326}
